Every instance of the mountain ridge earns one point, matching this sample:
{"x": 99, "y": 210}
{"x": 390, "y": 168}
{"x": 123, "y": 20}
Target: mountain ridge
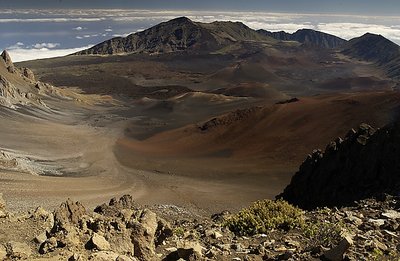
{"x": 378, "y": 50}
{"x": 307, "y": 37}
{"x": 179, "y": 34}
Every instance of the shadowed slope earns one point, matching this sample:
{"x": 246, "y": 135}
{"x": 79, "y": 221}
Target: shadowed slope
{"x": 363, "y": 165}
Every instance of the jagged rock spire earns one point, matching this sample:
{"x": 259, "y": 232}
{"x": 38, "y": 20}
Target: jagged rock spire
{"x": 8, "y": 62}
{"x": 6, "y": 57}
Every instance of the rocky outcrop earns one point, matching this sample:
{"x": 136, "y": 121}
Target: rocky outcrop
{"x": 17, "y": 85}
{"x": 180, "y": 34}
{"x": 363, "y": 165}
{"x": 124, "y": 231}
{"x": 8, "y": 62}
{"x": 308, "y": 37}
{"x": 26, "y": 72}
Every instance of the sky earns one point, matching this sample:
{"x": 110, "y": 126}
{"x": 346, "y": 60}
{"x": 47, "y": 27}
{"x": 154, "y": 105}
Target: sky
{"x": 49, "y": 28}
{"x": 371, "y": 7}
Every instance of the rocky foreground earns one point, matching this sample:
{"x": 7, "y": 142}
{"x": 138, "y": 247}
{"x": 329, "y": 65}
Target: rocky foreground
{"x": 122, "y": 230}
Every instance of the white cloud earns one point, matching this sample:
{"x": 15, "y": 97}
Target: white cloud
{"x": 49, "y": 20}
{"x": 21, "y": 54}
{"x": 45, "y": 45}
{"x": 108, "y": 30}
{"x": 350, "y": 30}
{"x": 79, "y": 28}
{"x": 16, "y": 46}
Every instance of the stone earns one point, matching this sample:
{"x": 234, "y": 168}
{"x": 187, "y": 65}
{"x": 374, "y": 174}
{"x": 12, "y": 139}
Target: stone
{"x": 391, "y": 214}
{"x": 148, "y": 219}
{"x": 143, "y": 234}
{"x": 28, "y": 74}
{"x": 41, "y": 238}
{"x": 3, "y": 214}
{"x": 17, "y": 250}
{"x": 48, "y": 246}
{"x": 125, "y": 258}
{"x": 40, "y": 213}
{"x": 75, "y": 257}
{"x": 379, "y": 245}
{"x": 98, "y": 242}
{"x": 103, "y": 256}
{"x": 376, "y": 222}
{"x": 163, "y": 231}
{"x": 190, "y": 246}
{"x": 337, "y": 253}
{"x": 171, "y": 249}
{"x": 2, "y": 202}
{"x": 67, "y": 215}
{"x": 3, "y": 252}
{"x": 237, "y": 247}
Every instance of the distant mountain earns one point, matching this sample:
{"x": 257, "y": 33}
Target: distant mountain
{"x": 178, "y": 35}
{"x": 363, "y": 165}
{"x": 308, "y": 37}
{"x": 376, "y": 49}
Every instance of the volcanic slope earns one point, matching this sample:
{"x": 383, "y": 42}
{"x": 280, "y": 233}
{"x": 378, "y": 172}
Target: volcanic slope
{"x": 179, "y": 34}
{"x": 378, "y": 50}
{"x": 307, "y": 37}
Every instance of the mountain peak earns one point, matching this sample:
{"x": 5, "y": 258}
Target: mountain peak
{"x": 182, "y": 19}
{"x": 377, "y": 49}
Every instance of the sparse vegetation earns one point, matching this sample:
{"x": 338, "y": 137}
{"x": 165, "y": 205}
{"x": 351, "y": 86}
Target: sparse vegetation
{"x": 179, "y": 232}
{"x": 323, "y": 233}
{"x": 265, "y": 215}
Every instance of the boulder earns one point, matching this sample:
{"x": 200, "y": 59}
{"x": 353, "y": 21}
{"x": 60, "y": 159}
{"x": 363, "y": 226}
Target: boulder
{"x": 41, "y": 238}
{"x": 98, "y": 242}
{"x": 67, "y": 215}
{"x": 104, "y": 256}
{"x": 17, "y": 250}
{"x": 3, "y": 252}
{"x": 115, "y": 206}
{"x": 28, "y": 74}
{"x": 186, "y": 250}
{"x": 49, "y": 245}
{"x": 163, "y": 231}
{"x": 337, "y": 253}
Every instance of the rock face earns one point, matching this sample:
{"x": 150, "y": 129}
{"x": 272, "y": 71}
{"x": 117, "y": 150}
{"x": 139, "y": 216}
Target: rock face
{"x": 16, "y": 85}
{"x": 363, "y": 165}
{"x": 28, "y": 74}
{"x": 377, "y": 49}
{"x": 307, "y": 37}
{"x": 179, "y": 34}
{"x": 7, "y": 61}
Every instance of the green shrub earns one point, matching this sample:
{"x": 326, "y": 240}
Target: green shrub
{"x": 179, "y": 232}
{"x": 322, "y": 233}
{"x": 264, "y": 215}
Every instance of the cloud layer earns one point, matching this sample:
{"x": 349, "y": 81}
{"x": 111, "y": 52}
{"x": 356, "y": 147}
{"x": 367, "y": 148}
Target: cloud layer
{"x": 22, "y": 54}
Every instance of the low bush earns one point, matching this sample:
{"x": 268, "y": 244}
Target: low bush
{"x": 264, "y": 215}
